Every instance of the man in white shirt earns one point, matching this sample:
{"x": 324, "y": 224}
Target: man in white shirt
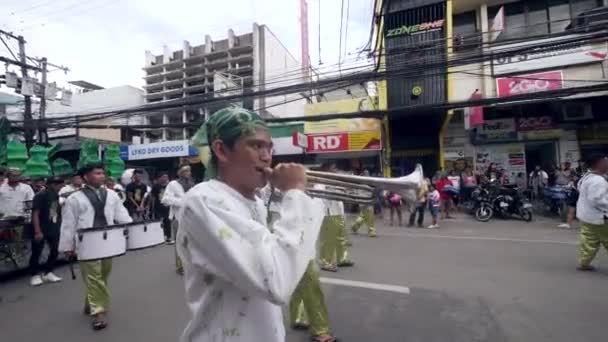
{"x": 68, "y": 189}
{"x": 238, "y": 272}
{"x": 14, "y": 194}
{"x": 174, "y": 199}
{"x": 592, "y": 211}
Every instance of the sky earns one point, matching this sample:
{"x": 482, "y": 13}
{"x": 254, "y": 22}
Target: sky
{"x": 104, "y": 41}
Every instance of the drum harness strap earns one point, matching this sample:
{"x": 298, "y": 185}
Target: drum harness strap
{"x": 98, "y": 203}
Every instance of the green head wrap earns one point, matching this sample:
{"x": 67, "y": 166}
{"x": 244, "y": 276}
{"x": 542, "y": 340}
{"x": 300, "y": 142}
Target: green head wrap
{"x": 227, "y": 125}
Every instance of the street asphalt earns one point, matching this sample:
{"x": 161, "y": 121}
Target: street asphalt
{"x": 505, "y": 280}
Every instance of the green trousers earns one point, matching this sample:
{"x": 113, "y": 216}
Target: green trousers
{"x": 334, "y": 249}
{"x": 368, "y": 218}
{"x": 307, "y": 305}
{"x": 95, "y": 275}
{"x": 591, "y": 237}
{"x": 178, "y": 262}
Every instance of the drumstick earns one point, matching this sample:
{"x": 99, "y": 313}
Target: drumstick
{"x": 71, "y": 261}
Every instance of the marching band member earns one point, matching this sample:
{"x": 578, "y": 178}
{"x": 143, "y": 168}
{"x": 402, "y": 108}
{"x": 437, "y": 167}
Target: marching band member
{"x": 68, "y": 189}
{"x": 92, "y": 206}
{"x": 174, "y": 198}
{"x": 307, "y": 308}
{"x": 334, "y": 243}
{"x": 368, "y": 218}
{"x": 237, "y": 271}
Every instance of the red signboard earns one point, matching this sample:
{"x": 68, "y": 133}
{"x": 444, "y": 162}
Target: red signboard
{"x": 340, "y": 142}
{"x": 531, "y": 83}
{"x": 537, "y": 123}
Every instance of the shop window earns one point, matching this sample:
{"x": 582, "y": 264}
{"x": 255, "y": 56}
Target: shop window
{"x": 538, "y": 21}
{"x": 466, "y": 32}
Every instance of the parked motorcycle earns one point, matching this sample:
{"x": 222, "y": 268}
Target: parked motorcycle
{"x": 554, "y": 200}
{"x": 505, "y": 201}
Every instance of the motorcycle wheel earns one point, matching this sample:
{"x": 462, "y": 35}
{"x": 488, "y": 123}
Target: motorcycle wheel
{"x": 484, "y": 213}
{"x": 526, "y": 214}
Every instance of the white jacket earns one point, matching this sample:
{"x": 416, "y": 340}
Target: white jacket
{"x": 78, "y": 213}
{"x": 332, "y": 207}
{"x": 592, "y": 205}
{"x": 238, "y": 273}
{"x": 173, "y": 198}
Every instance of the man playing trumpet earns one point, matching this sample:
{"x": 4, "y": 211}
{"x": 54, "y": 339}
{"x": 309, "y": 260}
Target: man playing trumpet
{"x": 237, "y": 271}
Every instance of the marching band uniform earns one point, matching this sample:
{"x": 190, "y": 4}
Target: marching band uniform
{"x": 246, "y": 270}
{"x": 334, "y": 243}
{"x": 368, "y": 218}
{"x": 84, "y": 209}
{"x": 174, "y": 199}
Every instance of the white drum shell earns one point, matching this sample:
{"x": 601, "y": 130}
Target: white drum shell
{"x": 145, "y": 235}
{"x": 100, "y": 244}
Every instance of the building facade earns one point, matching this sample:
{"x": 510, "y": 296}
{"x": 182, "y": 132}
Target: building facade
{"x": 237, "y": 64}
{"x": 421, "y": 39}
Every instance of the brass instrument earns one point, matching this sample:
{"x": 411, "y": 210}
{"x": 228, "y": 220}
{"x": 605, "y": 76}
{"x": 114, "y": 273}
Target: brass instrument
{"x": 360, "y": 189}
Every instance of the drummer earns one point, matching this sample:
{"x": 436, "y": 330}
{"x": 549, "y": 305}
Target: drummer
{"x": 93, "y": 206}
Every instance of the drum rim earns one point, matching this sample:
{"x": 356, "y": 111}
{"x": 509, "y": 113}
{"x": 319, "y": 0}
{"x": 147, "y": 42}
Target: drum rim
{"x": 100, "y": 229}
{"x": 140, "y": 248}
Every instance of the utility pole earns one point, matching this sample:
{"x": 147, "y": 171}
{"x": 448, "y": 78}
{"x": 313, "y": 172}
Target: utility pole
{"x": 42, "y": 133}
{"x": 27, "y": 115}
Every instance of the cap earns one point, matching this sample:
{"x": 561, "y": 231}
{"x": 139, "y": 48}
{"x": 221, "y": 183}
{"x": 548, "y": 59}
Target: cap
{"x": 54, "y": 180}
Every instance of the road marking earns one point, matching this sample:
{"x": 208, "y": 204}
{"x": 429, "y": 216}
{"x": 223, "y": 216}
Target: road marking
{"x": 366, "y": 285}
{"x": 481, "y": 238}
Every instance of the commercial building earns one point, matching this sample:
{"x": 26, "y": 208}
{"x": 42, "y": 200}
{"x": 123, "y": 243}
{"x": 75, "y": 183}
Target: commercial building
{"x": 238, "y": 63}
{"x": 517, "y": 135}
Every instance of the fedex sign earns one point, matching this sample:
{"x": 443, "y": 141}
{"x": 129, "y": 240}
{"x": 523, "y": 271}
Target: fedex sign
{"x": 327, "y": 143}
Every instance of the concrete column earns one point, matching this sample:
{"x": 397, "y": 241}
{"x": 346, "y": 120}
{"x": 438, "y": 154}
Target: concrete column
{"x": 165, "y": 121}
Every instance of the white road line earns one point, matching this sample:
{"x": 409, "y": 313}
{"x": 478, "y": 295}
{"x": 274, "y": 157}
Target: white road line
{"x": 482, "y": 238}
{"x": 366, "y": 285}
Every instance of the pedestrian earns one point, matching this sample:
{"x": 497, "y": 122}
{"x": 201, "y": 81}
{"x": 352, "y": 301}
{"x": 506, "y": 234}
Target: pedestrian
{"x": 93, "y": 206}
{"x": 13, "y": 195}
{"x": 592, "y": 211}
{"x": 136, "y": 190}
{"x": 238, "y": 272}
{"x": 420, "y": 204}
{"x": 434, "y": 200}
{"x": 538, "y": 181}
{"x": 38, "y": 185}
{"x": 455, "y": 179}
{"x": 571, "y": 199}
{"x": 174, "y": 199}
{"x": 444, "y": 187}
{"x": 46, "y": 222}
{"x": 395, "y": 203}
{"x": 117, "y": 187}
{"x": 158, "y": 209}
{"x": 469, "y": 182}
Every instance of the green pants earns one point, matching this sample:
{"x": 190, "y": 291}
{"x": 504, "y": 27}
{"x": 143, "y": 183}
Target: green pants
{"x": 591, "y": 237}
{"x": 333, "y": 241}
{"x": 178, "y": 262}
{"x": 368, "y": 218}
{"x": 95, "y": 275}
{"x": 307, "y": 305}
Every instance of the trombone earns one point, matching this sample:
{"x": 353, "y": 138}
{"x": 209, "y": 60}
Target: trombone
{"x": 361, "y": 189}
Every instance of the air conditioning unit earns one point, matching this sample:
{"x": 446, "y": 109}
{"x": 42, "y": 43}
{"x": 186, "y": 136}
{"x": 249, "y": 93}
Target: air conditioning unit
{"x": 576, "y": 111}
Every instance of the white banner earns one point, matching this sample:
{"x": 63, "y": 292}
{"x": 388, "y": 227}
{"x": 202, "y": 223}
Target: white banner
{"x": 165, "y": 149}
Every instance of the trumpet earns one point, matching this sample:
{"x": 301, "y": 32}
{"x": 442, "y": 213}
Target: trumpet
{"x": 361, "y": 189}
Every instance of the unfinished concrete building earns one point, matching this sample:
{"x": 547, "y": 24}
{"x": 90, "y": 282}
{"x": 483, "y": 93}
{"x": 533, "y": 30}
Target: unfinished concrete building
{"x": 238, "y": 63}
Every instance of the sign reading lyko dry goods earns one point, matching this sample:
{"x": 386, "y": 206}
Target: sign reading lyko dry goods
{"x": 531, "y": 83}
{"x": 340, "y": 142}
{"x": 416, "y": 29}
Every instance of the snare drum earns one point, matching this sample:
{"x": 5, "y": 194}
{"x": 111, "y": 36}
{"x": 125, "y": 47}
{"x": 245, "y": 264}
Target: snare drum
{"x": 144, "y": 235}
{"x": 101, "y": 243}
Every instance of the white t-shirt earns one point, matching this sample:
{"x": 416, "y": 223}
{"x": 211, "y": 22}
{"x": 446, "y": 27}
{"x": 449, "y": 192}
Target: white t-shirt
{"x": 455, "y": 181}
{"x": 12, "y": 198}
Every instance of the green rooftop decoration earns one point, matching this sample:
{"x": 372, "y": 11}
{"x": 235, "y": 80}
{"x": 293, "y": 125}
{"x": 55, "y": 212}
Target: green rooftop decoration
{"x": 5, "y": 129}
{"x": 89, "y": 153}
{"x": 16, "y": 155}
{"x": 115, "y": 166}
{"x": 62, "y": 167}
{"x": 38, "y": 165}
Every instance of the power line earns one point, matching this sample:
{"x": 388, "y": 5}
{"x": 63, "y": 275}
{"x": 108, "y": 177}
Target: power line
{"x": 340, "y": 46}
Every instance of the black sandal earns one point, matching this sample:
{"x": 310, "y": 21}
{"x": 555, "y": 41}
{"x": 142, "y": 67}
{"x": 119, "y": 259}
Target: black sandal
{"x": 87, "y": 310}
{"x": 300, "y": 326}
{"x": 98, "y": 325}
